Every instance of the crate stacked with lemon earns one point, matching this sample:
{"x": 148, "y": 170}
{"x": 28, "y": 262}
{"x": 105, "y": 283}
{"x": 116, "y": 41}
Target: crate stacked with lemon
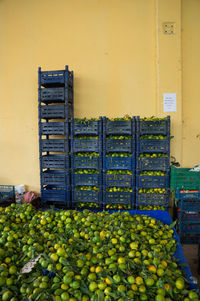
{"x": 118, "y": 163}
{"x": 86, "y": 163}
{"x": 55, "y": 107}
{"x": 152, "y": 162}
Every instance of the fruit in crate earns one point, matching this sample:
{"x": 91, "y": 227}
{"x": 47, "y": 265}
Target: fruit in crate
{"x": 81, "y": 137}
{"x": 119, "y": 189}
{"x": 158, "y": 155}
{"x": 153, "y": 137}
{"x": 87, "y": 188}
{"x": 87, "y": 205}
{"x": 151, "y": 207}
{"x": 124, "y": 137}
{"x": 86, "y": 171}
{"x": 85, "y": 120}
{"x": 152, "y": 173}
{"x": 123, "y": 155}
{"x": 119, "y": 172}
{"x": 153, "y": 118}
{"x": 118, "y": 206}
{"x": 152, "y": 190}
{"x": 87, "y": 154}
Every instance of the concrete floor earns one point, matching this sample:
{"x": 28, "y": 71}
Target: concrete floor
{"x": 191, "y": 254}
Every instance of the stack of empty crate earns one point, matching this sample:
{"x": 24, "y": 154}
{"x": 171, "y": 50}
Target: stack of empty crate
{"x": 188, "y": 215}
{"x": 118, "y": 163}
{"x": 86, "y": 163}
{"x": 55, "y": 108}
{"x": 153, "y": 163}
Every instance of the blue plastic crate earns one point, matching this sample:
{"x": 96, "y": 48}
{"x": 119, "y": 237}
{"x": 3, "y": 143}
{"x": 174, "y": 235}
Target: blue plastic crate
{"x": 119, "y": 145}
{"x": 56, "y": 194}
{"x": 119, "y": 127}
{"x": 55, "y": 111}
{"x": 190, "y": 238}
{"x": 189, "y": 228}
{"x": 79, "y": 162}
{"x": 161, "y": 127}
{"x": 7, "y": 192}
{"x": 189, "y": 217}
{"x": 86, "y": 127}
{"x": 187, "y": 194}
{"x": 54, "y": 145}
{"x": 118, "y": 198}
{"x": 55, "y": 177}
{"x": 153, "y": 163}
{"x": 147, "y": 181}
{"x": 86, "y": 196}
{"x": 53, "y": 128}
{"x": 143, "y": 199}
{"x": 55, "y": 161}
{"x": 86, "y": 179}
{"x": 118, "y": 180}
{"x": 153, "y": 146}
{"x": 55, "y": 95}
{"x": 86, "y": 145}
{"x": 55, "y": 78}
{"x": 189, "y": 205}
{"x": 114, "y": 163}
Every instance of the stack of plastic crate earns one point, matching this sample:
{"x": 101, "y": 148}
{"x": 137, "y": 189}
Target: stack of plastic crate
{"x": 86, "y": 163}
{"x": 152, "y": 163}
{"x": 55, "y": 95}
{"x": 118, "y": 163}
{"x": 188, "y": 215}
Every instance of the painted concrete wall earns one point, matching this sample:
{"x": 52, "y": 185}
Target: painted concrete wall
{"x": 122, "y": 60}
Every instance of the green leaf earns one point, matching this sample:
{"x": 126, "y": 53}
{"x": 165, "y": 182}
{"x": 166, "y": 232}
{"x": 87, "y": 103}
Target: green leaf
{"x": 37, "y": 294}
{"x": 173, "y": 224}
{"x": 100, "y": 296}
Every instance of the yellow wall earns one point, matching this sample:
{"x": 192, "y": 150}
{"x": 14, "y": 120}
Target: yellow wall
{"x": 121, "y": 62}
{"x": 191, "y": 77}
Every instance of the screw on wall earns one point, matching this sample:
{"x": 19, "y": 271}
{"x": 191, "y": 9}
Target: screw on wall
{"x": 169, "y": 28}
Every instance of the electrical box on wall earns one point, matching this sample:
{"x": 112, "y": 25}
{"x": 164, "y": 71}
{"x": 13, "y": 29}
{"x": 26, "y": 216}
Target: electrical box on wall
{"x": 169, "y": 28}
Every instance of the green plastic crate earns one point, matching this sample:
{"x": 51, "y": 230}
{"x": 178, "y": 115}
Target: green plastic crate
{"x": 184, "y": 179}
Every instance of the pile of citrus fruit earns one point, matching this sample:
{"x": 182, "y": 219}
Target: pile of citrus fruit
{"x": 87, "y": 256}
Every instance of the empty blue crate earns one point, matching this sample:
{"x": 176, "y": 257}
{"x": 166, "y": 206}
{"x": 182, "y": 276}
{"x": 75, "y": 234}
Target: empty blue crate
{"x": 55, "y": 111}
{"x": 189, "y": 205}
{"x": 187, "y": 194}
{"x": 7, "y": 192}
{"x": 114, "y": 163}
{"x": 148, "y": 127}
{"x": 147, "y": 181}
{"x": 125, "y": 198}
{"x": 160, "y": 199}
{"x": 55, "y": 177}
{"x": 86, "y": 127}
{"x": 190, "y": 228}
{"x": 147, "y": 163}
{"x": 54, "y": 145}
{"x": 55, "y": 95}
{"x": 119, "y": 127}
{"x": 189, "y": 216}
{"x": 53, "y": 128}
{"x": 55, "y": 78}
{"x": 86, "y": 145}
{"x": 86, "y": 179}
{"x": 118, "y": 180}
{"x": 80, "y": 162}
{"x": 119, "y": 145}
{"x": 153, "y": 145}
{"x": 55, "y": 161}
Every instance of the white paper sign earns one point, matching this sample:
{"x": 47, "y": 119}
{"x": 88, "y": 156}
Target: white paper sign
{"x": 169, "y": 102}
